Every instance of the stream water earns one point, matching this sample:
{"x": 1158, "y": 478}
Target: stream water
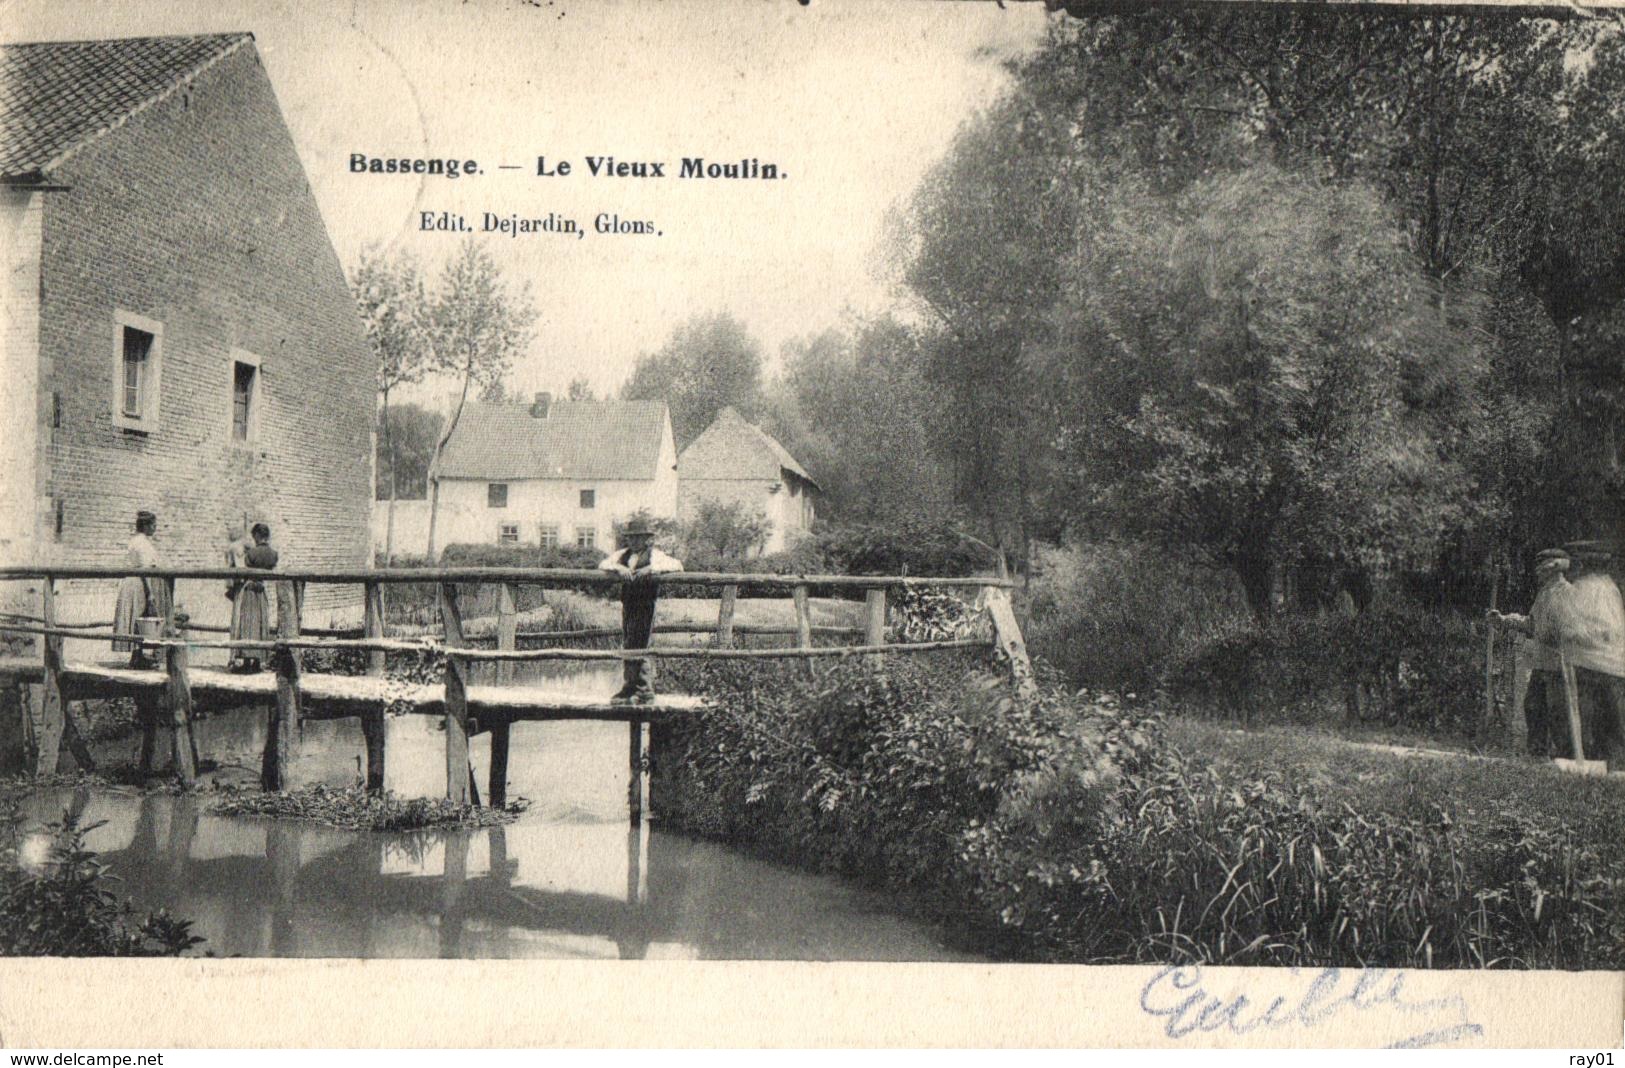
{"x": 569, "y": 879}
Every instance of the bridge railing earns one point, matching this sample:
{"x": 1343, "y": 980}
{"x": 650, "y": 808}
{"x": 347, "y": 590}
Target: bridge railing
{"x": 175, "y": 641}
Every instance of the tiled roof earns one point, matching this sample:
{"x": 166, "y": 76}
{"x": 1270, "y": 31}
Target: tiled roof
{"x": 732, "y": 448}
{"x": 577, "y": 439}
{"x": 56, "y": 95}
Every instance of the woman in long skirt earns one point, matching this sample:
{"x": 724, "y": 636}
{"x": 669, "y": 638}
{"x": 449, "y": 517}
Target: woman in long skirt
{"x": 251, "y": 615}
{"x": 140, "y": 597}
{"x": 237, "y": 546}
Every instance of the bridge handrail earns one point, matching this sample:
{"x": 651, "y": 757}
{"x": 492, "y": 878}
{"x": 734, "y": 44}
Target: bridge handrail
{"x": 452, "y": 644}
{"x": 522, "y": 576}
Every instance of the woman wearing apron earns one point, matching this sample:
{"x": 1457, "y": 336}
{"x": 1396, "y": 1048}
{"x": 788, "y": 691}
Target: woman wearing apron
{"x": 251, "y": 615}
{"x": 140, "y": 597}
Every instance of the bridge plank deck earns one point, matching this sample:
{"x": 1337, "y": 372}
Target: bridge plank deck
{"x": 339, "y": 696}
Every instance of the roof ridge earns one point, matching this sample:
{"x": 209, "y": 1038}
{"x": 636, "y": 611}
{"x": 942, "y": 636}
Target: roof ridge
{"x": 185, "y": 77}
{"x": 122, "y": 40}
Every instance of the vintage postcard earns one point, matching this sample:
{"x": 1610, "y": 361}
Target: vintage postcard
{"x": 804, "y": 524}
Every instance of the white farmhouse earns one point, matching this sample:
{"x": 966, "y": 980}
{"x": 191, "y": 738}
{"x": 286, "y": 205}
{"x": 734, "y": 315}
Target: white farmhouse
{"x": 555, "y": 472}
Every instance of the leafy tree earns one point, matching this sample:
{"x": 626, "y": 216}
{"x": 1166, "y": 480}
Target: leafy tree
{"x": 476, "y": 325}
{"x": 389, "y": 295}
{"x": 413, "y": 432}
{"x": 1264, "y": 373}
{"x": 708, "y": 363}
{"x": 581, "y": 390}
{"x": 852, "y": 406}
{"x": 725, "y": 531}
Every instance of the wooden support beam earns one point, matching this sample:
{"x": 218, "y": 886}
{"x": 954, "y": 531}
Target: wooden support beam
{"x": 638, "y": 754}
{"x": 373, "y": 727}
{"x": 374, "y": 627}
{"x": 1007, "y": 635}
{"x": 496, "y": 789}
{"x": 507, "y": 630}
{"x": 146, "y": 711}
{"x": 50, "y": 709}
{"x": 874, "y": 622}
{"x": 285, "y": 713}
{"x": 803, "y": 619}
{"x": 458, "y": 779}
{"x": 178, "y": 694}
{"x": 725, "y": 617}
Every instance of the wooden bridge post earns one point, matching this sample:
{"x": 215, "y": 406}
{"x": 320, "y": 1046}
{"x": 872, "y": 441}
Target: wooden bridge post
{"x": 1007, "y": 635}
{"x": 51, "y": 715}
{"x": 496, "y": 787}
{"x": 459, "y": 782}
{"x": 373, "y": 727}
{"x": 874, "y": 624}
{"x": 803, "y": 624}
{"x": 725, "y": 617}
{"x": 182, "y": 747}
{"x": 638, "y": 751}
{"x": 285, "y": 714}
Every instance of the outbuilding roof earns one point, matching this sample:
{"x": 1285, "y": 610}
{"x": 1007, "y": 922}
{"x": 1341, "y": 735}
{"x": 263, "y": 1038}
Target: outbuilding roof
{"x": 731, "y": 448}
{"x": 574, "y": 440}
{"x": 57, "y": 95}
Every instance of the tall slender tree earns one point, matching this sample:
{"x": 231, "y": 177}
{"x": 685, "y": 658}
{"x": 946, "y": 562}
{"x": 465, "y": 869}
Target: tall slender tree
{"x": 389, "y": 294}
{"x": 476, "y": 323}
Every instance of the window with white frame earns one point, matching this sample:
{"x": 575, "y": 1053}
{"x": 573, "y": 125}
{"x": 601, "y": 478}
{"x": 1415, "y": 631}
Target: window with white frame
{"x": 245, "y": 396}
{"x": 586, "y": 537}
{"x": 137, "y": 369}
{"x": 508, "y": 534}
{"x": 550, "y": 535}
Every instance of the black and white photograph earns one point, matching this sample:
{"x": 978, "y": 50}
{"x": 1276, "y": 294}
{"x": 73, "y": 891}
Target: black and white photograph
{"x": 934, "y": 482}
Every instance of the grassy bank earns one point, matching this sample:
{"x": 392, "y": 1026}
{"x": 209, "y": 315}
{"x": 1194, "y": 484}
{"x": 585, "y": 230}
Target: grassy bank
{"x": 1070, "y": 829}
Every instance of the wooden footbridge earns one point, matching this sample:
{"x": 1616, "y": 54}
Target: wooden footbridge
{"x": 169, "y": 694}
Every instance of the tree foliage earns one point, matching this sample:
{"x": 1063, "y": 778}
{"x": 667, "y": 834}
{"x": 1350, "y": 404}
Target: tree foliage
{"x": 1264, "y": 373}
{"x": 413, "y": 430}
{"x": 852, "y": 405}
{"x": 708, "y": 363}
{"x": 1489, "y": 142}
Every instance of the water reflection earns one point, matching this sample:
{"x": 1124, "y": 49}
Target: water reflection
{"x": 568, "y": 880}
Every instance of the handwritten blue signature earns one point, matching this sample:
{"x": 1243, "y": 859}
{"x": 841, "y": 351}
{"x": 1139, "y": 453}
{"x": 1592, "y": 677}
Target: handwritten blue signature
{"x": 1177, "y": 994}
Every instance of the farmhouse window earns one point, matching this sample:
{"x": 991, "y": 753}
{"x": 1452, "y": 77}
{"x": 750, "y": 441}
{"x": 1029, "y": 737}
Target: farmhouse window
{"x": 589, "y": 498}
{"x": 586, "y": 537}
{"x": 496, "y": 495}
{"x": 137, "y": 362}
{"x": 245, "y": 377}
{"x": 550, "y": 535}
{"x": 508, "y": 534}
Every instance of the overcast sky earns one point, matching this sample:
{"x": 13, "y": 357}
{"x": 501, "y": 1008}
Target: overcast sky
{"x": 853, "y": 100}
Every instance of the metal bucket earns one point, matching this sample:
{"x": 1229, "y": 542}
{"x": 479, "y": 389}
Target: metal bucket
{"x": 149, "y": 627}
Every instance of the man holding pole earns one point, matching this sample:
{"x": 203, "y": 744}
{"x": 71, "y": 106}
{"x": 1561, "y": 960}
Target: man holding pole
{"x": 1558, "y": 629}
{"x": 638, "y": 563}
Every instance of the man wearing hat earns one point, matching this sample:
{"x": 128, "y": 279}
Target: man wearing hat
{"x": 1574, "y": 620}
{"x": 1553, "y": 616}
{"x": 638, "y": 563}
{"x": 1599, "y": 657}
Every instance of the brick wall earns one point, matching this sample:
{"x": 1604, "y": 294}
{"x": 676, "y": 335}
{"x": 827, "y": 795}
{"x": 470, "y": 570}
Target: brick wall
{"x": 197, "y": 214}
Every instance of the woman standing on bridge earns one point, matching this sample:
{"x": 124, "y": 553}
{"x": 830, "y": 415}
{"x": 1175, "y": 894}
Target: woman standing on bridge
{"x": 251, "y": 615}
{"x": 140, "y": 597}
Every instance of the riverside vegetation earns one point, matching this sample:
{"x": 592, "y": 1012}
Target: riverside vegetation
{"x": 1071, "y": 828}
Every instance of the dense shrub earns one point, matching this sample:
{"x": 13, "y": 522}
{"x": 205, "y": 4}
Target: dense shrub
{"x": 1066, "y": 828}
{"x": 901, "y": 548}
{"x": 66, "y": 907}
{"x": 1112, "y": 616}
{"x": 1395, "y": 665}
